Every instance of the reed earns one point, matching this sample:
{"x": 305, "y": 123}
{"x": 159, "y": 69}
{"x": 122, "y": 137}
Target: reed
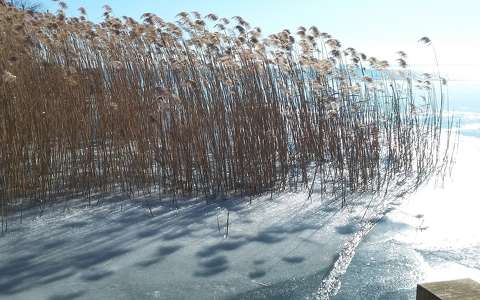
{"x": 205, "y": 106}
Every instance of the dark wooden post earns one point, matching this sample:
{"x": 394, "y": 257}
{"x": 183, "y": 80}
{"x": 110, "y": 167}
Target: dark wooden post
{"x": 461, "y": 289}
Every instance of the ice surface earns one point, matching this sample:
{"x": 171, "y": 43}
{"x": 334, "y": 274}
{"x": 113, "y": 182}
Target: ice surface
{"x": 280, "y": 246}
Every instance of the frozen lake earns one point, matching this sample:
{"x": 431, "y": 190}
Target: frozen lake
{"x": 278, "y": 247}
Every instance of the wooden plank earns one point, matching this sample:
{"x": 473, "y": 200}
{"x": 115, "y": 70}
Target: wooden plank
{"x": 461, "y": 289}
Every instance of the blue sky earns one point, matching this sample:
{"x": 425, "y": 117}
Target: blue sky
{"x": 377, "y": 27}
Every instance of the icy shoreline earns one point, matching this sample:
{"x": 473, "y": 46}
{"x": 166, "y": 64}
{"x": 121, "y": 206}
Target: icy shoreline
{"x": 433, "y": 236}
{"x": 283, "y": 245}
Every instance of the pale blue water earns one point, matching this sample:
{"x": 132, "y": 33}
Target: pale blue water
{"x": 465, "y": 101}
{"x": 465, "y": 96}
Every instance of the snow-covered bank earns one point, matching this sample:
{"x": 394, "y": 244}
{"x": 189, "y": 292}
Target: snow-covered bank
{"x": 277, "y": 246}
{"x": 432, "y": 236}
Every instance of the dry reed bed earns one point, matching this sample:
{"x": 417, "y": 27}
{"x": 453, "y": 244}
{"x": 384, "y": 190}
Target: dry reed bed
{"x": 204, "y": 106}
